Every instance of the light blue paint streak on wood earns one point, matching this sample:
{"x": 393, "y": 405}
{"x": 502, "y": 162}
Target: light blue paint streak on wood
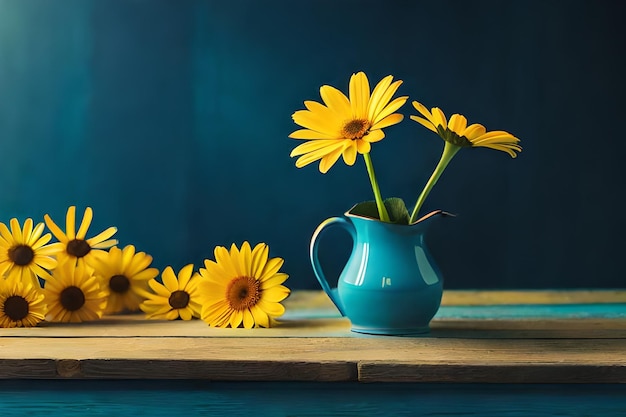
{"x": 191, "y": 398}
{"x": 534, "y": 311}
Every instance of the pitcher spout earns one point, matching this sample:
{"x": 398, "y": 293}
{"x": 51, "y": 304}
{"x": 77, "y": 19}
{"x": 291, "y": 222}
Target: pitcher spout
{"x": 432, "y": 215}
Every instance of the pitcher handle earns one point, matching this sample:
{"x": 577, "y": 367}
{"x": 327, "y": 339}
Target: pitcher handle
{"x": 315, "y": 263}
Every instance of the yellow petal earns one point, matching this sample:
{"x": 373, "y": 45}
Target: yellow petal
{"x": 6, "y": 234}
{"x": 245, "y": 257}
{"x": 260, "y": 317}
{"x": 315, "y": 145}
{"x": 45, "y": 261}
{"x": 390, "y": 120}
{"x": 235, "y": 319}
{"x": 439, "y": 119}
{"x": 359, "y": 95}
{"x": 383, "y": 102}
{"x": 102, "y": 236}
{"x": 248, "y": 319}
{"x": 276, "y": 294}
{"x": 169, "y": 279}
{"x": 309, "y": 134}
{"x": 56, "y": 230}
{"x": 259, "y": 258}
{"x": 37, "y": 244}
{"x": 271, "y": 267}
{"x": 272, "y": 309}
{"x": 426, "y": 123}
{"x": 316, "y": 122}
{"x": 390, "y": 108}
{"x": 17, "y": 231}
{"x": 377, "y": 102}
{"x": 457, "y": 124}
{"x": 336, "y": 101}
{"x": 329, "y": 160}
{"x": 349, "y": 153}
{"x": 324, "y": 112}
{"x": 474, "y": 131}
{"x": 84, "y": 225}
{"x": 223, "y": 260}
{"x": 274, "y": 280}
{"x": 423, "y": 110}
{"x": 185, "y": 314}
{"x": 184, "y": 275}
{"x": 28, "y": 229}
{"x": 235, "y": 258}
{"x": 374, "y": 136}
{"x": 319, "y": 154}
{"x": 70, "y": 223}
{"x": 363, "y": 146}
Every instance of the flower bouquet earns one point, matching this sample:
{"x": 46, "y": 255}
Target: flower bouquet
{"x": 345, "y": 126}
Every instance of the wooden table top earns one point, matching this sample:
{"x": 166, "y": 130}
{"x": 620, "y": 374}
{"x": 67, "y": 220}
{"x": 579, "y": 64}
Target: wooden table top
{"x": 477, "y": 336}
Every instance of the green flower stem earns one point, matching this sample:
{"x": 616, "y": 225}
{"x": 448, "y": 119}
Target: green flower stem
{"x": 449, "y": 150}
{"x": 382, "y": 210}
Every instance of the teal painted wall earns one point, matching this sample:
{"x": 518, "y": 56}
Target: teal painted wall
{"x": 171, "y": 120}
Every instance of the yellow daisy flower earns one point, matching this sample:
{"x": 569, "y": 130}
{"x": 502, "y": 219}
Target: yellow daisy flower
{"x": 242, "y": 287}
{"x": 74, "y": 245}
{"x": 456, "y": 135}
{"x": 126, "y": 274}
{"x": 74, "y": 294}
{"x": 175, "y": 298}
{"x": 25, "y": 250}
{"x": 457, "y": 132}
{"x": 21, "y": 303}
{"x": 345, "y": 126}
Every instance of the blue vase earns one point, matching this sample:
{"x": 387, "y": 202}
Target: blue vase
{"x": 390, "y": 284}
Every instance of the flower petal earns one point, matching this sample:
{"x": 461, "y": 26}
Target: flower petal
{"x": 336, "y": 101}
{"x": 359, "y": 95}
{"x": 70, "y": 222}
{"x": 84, "y": 225}
{"x": 349, "y": 153}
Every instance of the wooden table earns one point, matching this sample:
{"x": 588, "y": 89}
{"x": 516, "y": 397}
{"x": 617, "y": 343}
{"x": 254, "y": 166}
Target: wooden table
{"x": 478, "y": 336}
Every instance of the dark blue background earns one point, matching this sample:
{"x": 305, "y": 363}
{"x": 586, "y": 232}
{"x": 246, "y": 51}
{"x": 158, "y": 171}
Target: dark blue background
{"x": 170, "y": 119}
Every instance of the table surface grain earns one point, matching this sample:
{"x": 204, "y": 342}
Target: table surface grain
{"x": 574, "y": 336}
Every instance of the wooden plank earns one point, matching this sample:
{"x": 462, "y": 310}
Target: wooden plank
{"x": 487, "y": 372}
{"x": 314, "y": 299}
{"x": 320, "y": 359}
{"x": 314, "y": 344}
{"x": 499, "y": 297}
{"x": 136, "y": 326}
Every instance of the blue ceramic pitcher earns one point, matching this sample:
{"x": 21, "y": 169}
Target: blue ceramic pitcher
{"x": 390, "y": 284}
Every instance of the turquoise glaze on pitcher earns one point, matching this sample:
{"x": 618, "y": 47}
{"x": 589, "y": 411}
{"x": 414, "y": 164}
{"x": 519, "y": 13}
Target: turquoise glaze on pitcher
{"x": 390, "y": 284}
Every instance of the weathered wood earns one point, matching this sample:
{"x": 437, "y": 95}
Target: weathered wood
{"x": 487, "y": 372}
{"x": 306, "y": 348}
{"x": 318, "y": 359}
{"x": 312, "y": 299}
{"x": 498, "y": 297}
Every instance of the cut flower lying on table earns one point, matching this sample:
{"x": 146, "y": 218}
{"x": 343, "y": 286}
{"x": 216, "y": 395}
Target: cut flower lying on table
{"x": 79, "y": 280}
{"x": 345, "y": 126}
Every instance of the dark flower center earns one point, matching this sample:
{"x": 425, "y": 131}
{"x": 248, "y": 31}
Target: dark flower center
{"x": 78, "y": 248}
{"x": 119, "y": 284}
{"x": 243, "y": 293}
{"x": 72, "y": 298}
{"x": 355, "y": 129}
{"x": 21, "y": 254}
{"x": 179, "y": 299}
{"x": 16, "y": 307}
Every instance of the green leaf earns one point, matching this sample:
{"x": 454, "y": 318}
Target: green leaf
{"x": 366, "y": 209}
{"x": 396, "y": 208}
